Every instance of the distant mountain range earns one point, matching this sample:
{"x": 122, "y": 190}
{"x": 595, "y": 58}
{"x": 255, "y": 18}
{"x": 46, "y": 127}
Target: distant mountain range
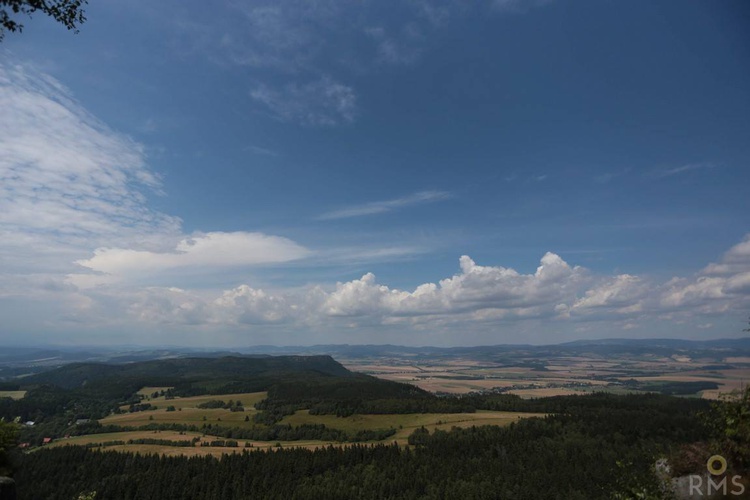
{"x": 15, "y": 361}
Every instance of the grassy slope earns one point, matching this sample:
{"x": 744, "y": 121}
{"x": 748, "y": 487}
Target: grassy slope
{"x": 406, "y": 423}
{"x": 190, "y": 414}
{"x": 12, "y": 394}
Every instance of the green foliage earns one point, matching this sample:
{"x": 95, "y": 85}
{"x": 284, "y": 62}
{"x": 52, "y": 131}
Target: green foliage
{"x": 8, "y": 440}
{"x": 162, "y": 442}
{"x": 214, "y": 403}
{"x": 69, "y": 13}
{"x": 56, "y": 399}
{"x": 593, "y": 451}
{"x": 730, "y": 422}
{"x": 356, "y": 394}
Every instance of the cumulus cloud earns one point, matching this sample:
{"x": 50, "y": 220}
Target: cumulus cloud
{"x": 475, "y": 289}
{"x": 719, "y": 287}
{"x": 471, "y": 293}
{"x": 477, "y": 294}
{"x": 475, "y": 298}
{"x": 623, "y": 294}
{"x": 74, "y": 213}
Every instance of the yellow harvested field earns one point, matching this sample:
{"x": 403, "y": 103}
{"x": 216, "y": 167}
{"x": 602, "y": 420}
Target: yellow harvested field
{"x": 406, "y": 423}
{"x": 248, "y": 399}
{"x": 545, "y": 392}
{"x": 148, "y": 391}
{"x": 125, "y": 436}
{"x": 12, "y": 394}
{"x": 186, "y": 412}
{"x": 452, "y": 385}
{"x": 188, "y": 416}
{"x": 180, "y": 450}
{"x": 737, "y": 359}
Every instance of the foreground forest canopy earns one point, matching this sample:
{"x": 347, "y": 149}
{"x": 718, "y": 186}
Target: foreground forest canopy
{"x": 601, "y": 447}
{"x": 583, "y": 446}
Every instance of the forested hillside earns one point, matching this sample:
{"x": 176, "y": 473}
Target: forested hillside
{"x": 601, "y": 447}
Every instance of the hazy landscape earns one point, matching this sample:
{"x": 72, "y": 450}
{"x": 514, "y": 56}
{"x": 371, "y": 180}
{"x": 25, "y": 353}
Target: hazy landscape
{"x": 681, "y": 368}
{"x": 374, "y": 249}
{"x": 186, "y": 405}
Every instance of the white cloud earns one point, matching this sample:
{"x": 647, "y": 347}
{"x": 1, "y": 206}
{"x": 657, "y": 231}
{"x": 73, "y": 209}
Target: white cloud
{"x": 622, "y": 293}
{"x": 70, "y": 187}
{"x": 379, "y": 207}
{"x": 67, "y": 182}
{"x": 735, "y": 260}
{"x": 210, "y": 250}
{"x": 74, "y": 203}
{"x": 719, "y": 287}
{"x": 247, "y": 305}
{"x": 476, "y": 299}
{"x": 321, "y": 102}
{"x": 289, "y": 45}
{"x": 403, "y": 48}
{"x": 476, "y": 288}
{"x": 669, "y": 172}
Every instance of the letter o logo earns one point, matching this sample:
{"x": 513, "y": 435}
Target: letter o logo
{"x": 716, "y": 471}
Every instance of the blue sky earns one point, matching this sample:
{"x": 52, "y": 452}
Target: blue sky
{"x": 415, "y": 172}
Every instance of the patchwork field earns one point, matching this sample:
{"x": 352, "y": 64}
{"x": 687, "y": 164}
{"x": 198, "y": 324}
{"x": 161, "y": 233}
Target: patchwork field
{"x": 12, "y": 394}
{"x": 554, "y": 372}
{"x": 526, "y": 372}
{"x": 406, "y": 423}
{"x": 187, "y": 411}
{"x": 103, "y": 441}
{"x": 147, "y": 392}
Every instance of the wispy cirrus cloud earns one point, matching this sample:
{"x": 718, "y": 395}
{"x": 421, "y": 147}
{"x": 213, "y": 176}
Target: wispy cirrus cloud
{"x": 402, "y": 48}
{"x": 379, "y": 207}
{"x": 261, "y": 151}
{"x": 690, "y": 167}
{"x": 67, "y": 181}
{"x": 306, "y": 56}
{"x": 71, "y": 187}
{"x": 322, "y": 102}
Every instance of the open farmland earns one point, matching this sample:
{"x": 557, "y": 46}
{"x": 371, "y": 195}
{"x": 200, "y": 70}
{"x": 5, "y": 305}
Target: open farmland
{"x": 114, "y": 441}
{"x": 12, "y": 394}
{"x": 187, "y": 412}
{"x": 247, "y": 399}
{"x": 407, "y": 422}
{"x": 147, "y": 392}
{"x": 531, "y": 372}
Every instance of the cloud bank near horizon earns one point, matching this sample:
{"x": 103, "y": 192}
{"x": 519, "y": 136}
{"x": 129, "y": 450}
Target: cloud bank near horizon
{"x": 556, "y": 293}
{"x": 83, "y": 250}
